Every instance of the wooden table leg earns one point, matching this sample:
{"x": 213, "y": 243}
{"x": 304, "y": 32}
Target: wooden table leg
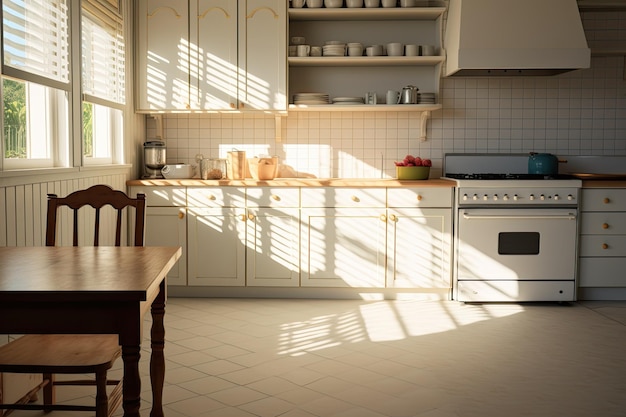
{"x": 131, "y": 389}
{"x": 157, "y": 359}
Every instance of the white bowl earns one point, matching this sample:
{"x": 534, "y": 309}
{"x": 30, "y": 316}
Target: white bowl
{"x": 178, "y": 171}
{"x": 333, "y": 4}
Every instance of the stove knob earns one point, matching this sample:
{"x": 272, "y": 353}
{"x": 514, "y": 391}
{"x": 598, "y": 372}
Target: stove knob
{"x": 495, "y": 197}
{"x": 505, "y": 197}
{"x": 464, "y": 197}
{"x": 485, "y": 197}
{"x": 474, "y": 197}
{"x": 515, "y": 197}
{"x": 570, "y": 197}
{"x": 556, "y": 197}
{"x": 532, "y": 197}
{"x": 542, "y": 197}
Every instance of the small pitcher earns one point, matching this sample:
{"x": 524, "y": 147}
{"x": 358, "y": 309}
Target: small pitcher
{"x": 408, "y": 95}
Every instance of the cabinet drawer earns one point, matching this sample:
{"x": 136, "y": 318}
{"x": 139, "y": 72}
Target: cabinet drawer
{"x": 419, "y": 197}
{"x": 604, "y": 199}
{"x": 603, "y": 223}
{"x": 343, "y": 197}
{"x": 216, "y": 197}
{"x": 602, "y": 272}
{"x": 594, "y": 245}
{"x": 272, "y": 197}
{"x": 162, "y": 196}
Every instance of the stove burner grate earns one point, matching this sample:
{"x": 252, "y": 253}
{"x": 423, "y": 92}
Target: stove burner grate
{"x": 492, "y": 176}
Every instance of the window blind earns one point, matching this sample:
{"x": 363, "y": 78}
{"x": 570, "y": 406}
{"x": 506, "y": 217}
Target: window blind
{"x": 103, "y": 49}
{"x": 36, "y": 37}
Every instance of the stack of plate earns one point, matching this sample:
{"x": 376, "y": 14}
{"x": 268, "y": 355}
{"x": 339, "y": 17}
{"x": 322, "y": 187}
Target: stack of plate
{"x": 427, "y": 98}
{"x": 348, "y": 100}
{"x": 338, "y": 49}
{"x": 311, "y": 98}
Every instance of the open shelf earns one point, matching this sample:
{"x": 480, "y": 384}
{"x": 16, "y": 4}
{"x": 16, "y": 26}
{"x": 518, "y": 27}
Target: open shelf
{"x": 365, "y": 61}
{"x": 375, "y": 13}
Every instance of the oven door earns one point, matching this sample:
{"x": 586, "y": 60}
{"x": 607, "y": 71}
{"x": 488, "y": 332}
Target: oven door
{"x": 516, "y": 244}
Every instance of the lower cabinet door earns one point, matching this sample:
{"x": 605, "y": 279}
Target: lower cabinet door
{"x": 343, "y": 247}
{"x": 167, "y": 226}
{"x": 272, "y": 247}
{"x": 216, "y": 246}
{"x": 418, "y": 248}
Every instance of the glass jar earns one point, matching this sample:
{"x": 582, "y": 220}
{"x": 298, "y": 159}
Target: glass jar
{"x": 212, "y": 169}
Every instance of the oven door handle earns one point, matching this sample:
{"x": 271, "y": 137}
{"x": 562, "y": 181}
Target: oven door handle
{"x": 570, "y": 216}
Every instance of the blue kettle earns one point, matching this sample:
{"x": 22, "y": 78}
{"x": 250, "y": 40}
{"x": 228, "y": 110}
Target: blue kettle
{"x": 543, "y": 164}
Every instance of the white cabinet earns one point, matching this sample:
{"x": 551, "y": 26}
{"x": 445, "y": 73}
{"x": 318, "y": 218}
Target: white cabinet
{"x": 211, "y": 55}
{"x": 216, "y": 228}
{"x": 419, "y": 227}
{"x": 273, "y": 237}
{"x": 335, "y": 75}
{"x": 343, "y": 237}
{"x": 166, "y": 224}
{"x": 603, "y": 238}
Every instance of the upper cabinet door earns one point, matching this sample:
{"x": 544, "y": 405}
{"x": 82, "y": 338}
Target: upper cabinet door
{"x": 163, "y": 55}
{"x": 263, "y": 54}
{"x": 214, "y": 75}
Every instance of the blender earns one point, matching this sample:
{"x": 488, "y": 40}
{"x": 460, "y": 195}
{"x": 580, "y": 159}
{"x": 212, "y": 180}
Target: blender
{"x": 153, "y": 158}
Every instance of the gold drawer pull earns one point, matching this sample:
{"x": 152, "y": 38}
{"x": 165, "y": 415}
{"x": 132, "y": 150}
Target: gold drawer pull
{"x": 393, "y": 217}
{"x": 275, "y": 197}
{"x": 181, "y": 214}
{"x": 212, "y": 197}
{"x": 419, "y": 197}
{"x": 605, "y": 246}
{"x": 605, "y": 225}
{"x": 606, "y": 200}
{"x": 355, "y": 199}
{"x": 243, "y": 217}
{"x": 383, "y": 218}
{"x": 250, "y": 216}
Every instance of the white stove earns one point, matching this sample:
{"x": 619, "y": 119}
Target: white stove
{"x": 515, "y": 234}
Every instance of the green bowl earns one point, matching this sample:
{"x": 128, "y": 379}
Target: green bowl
{"x": 412, "y": 173}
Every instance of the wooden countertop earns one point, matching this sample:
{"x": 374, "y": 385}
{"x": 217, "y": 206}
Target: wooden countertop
{"x": 604, "y": 183}
{"x": 295, "y": 182}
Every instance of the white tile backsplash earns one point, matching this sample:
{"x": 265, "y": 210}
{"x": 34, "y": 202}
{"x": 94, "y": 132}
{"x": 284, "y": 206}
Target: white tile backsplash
{"x": 579, "y": 113}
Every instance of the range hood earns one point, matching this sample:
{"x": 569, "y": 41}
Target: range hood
{"x": 514, "y": 38}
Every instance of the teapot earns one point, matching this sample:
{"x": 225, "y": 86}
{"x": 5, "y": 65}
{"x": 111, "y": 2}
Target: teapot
{"x": 408, "y": 95}
{"x": 543, "y": 164}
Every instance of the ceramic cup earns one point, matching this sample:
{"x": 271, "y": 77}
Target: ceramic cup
{"x": 389, "y": 3}
{"x": 298, "y": 3}
{"x": 293, "y": 50}
{"x": 427, "y": 50}
{"x": 303, "y": 50}
{"x": 298, "y": 40}
{"x": 316, "y": 51}
{"x": 314, "y": 4}
{"x": 393, "y": 97}
{"x": 354, "y": 3}
{"x": 372, "y": 3}
{"x": 374, "y": 50}
{"x": 355, "y": 49}
{"x": 371, "y": 97}
{"x": 395, "y": 49}
{"x": 407, "y": 3}
{"x": 411, "y": 50}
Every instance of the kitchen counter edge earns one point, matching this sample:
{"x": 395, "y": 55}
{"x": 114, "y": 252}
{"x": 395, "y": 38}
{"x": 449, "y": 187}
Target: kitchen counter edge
{"x": 604, "y": 183}
{"x": 294, "y": 182}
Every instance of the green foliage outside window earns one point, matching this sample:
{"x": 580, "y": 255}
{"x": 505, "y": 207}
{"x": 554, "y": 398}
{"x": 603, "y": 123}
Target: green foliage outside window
{"x": 14, "y": 135}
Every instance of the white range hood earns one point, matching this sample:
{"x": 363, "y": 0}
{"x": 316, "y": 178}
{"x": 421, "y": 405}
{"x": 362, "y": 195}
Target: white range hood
{"x": 514, "y": 37}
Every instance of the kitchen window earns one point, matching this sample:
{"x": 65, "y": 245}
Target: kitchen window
{"x": 45, "y": 88}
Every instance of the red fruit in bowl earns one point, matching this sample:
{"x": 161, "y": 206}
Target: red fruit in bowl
{"x": 410, "y": 158}
{"x": 418, "y": 161}
{"x": 427, "y": 162}
{"x": 399, "y": 164}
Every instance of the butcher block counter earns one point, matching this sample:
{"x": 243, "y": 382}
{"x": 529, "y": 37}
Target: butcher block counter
{"x": 294, "y": 182}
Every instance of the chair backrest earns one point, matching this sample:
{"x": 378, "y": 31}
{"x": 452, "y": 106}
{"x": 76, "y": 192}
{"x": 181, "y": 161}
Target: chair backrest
{"x": 97, "y": 197}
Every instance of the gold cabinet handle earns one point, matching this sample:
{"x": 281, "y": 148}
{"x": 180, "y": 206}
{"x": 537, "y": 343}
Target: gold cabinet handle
{"x": 355, "y": 199}
{"x": 212, "y": 197}
{"x": 232, "y": 106}
{"x": 393, "y": 217}
{"x": 243, "y": 217}
{"x": 606, "y": 200}
{"x": 383, "y": 218}
{"x": 275, "y": 197}
{"x": 250, "y": 216}
{"x": 605, "y": 225}
{"x": 181, "y": 214}
{"x": 605, "y": 246}
{"x": 419, "y": 197}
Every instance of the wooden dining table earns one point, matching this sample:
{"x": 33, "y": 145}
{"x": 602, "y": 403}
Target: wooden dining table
{"x": 92, "y": 290}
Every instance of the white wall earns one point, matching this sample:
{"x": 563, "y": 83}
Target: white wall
{"x": 579, "y": 113}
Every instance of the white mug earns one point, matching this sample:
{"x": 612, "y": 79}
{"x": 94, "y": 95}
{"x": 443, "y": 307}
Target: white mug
{"x": 427, "y": 50}
{"x": 389, "y": 3}
{"x": 303, "y": 50}
{"x": 374, "y": 50}
{"x": 316, "y": 51}
{"x": 395, "y": 49}
{"x": 314, "y": 4}
{"x": 411, "y": 50}
{"x": 371, "y": 97}
{"x": 298, "y": 3}
{"x": 355, "y": 50}
{"x": 393, "y": 97}
{"x": 293, "y": 50}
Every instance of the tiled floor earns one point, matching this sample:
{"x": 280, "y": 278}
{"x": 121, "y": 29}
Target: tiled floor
{"x": 347, "y": 358}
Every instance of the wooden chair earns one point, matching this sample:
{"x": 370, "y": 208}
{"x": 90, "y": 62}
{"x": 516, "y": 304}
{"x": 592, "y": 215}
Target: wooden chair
{"x": 74, "y": 354}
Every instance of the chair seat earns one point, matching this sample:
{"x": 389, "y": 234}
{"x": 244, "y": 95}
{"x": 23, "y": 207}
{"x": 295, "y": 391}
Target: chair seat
{"x": 59, "y": 353}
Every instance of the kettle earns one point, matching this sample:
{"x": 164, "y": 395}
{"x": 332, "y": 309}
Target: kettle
{"x": 408, "y": 95}
{"x": 543, "y": 164}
